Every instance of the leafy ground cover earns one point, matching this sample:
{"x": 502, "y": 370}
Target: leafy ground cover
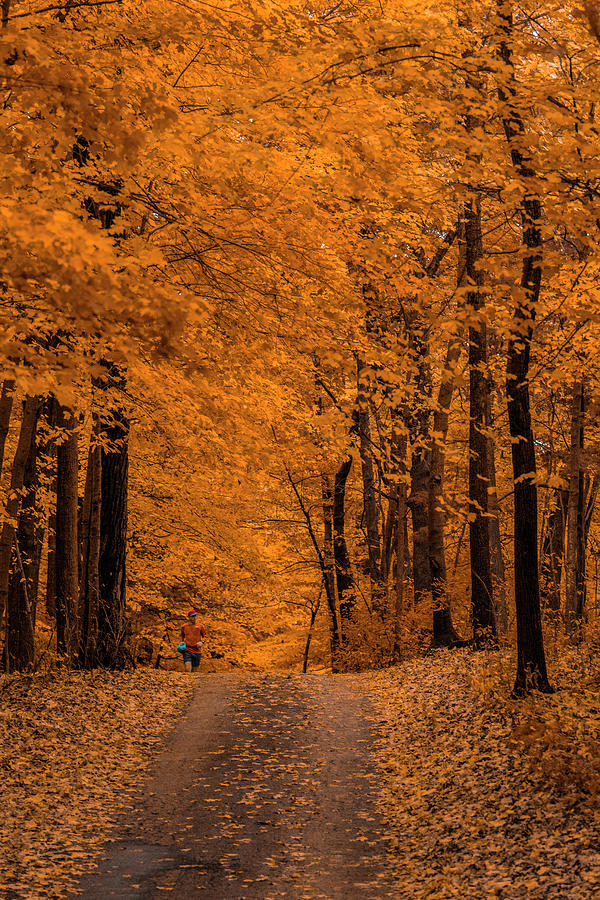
{"x": 71, "y": 749}
{"x": 484, "y": 796}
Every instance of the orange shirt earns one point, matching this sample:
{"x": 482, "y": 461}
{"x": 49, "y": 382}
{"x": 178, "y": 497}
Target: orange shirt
{"x": 191, "y": 634}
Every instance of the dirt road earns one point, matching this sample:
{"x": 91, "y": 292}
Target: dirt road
{"x": 266, "y": 790}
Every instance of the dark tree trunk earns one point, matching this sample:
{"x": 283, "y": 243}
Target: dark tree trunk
{"x": 314, "y": 609}
{"x": 420, "y": 437}
{"x": 531, "y": 659}
{"x": 575, "y": 570}
{"x": 48, "y": 462}
{"x": 484, "y": 623}
{"x": 590, "y": 503}
{"x": 389, "y": 529}
{"x": 496, "y": 555}
{"x": 51, "y": 563}
{"x": 112, "y": 622}
{"x": 326, "y": 556}
{"x": 444, "y": 634}
{"x": 343, "y": 573}
{"x": 67, "y": 548}
{"x": 580, "y": 579}
{"x": 531, "y": 665}
{"x": 370, "y": 506}
{"x": 401, "y": 549}
{"x": 419, "y": 508}
{"x": 420, "y": 471}
{"x": 31, "y": 408}
{"x": 329, "y": 570}
{"x": 6, "y": 405}
{"x": 24, "y": 574}
{"x": 398, "y": 516}
{"x": 553, "y": 551}
{"x": 89, "y": 585}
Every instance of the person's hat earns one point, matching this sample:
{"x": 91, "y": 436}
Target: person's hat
{"x": 192, "y": 612}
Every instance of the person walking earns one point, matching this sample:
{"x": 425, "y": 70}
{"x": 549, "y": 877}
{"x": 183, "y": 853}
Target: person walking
{"x": 194, "y": 636}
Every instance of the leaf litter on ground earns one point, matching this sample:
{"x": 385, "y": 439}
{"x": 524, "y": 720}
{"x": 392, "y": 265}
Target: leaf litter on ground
{"x": 484, "y": 796}
{"x": 72, "y": 747}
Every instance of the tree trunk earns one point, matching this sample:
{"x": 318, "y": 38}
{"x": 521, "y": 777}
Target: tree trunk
{"x": 531, "y": 659}
{"x": 496, "y": 555}
{"x": 6, "y": 405}
{"x": 592, "y": 494}
{"x": 420, "y": 472}
{"x": 313, "y": 615}
{"x": 575, "y": 567}
{"x": 112, "y": 623}
{"x": 329, "y": 570}
{"x": 398, "y": 511}
{"x": 370, "y": 506}
{"x": 31, "y": 408}
{"x": 484, "y": 623}
{"x": 444, "y": 634}
{"x": 48, "y": 462}
{"x": 23, "y": 578}
{"x": 67, "y": 548}
{"x": 89, "y": 585}
{"x": 51, "y": 564}
{"x": 420, "y": 437}
{"x": 553, "y": 551}
{"x": 389, "y": 529}
{"x": 343, "y": 573}
{"x": 401, "y": 545}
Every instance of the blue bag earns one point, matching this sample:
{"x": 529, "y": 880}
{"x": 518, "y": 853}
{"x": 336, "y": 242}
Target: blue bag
{"x": 180, "y": 647}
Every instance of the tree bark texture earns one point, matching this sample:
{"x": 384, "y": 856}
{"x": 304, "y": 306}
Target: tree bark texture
{"x": 329, "y": 570}
{"x": 401, "y": 546}
{"x": 419, "y": 422}
{"x": 6, "y": 405}
{"x": 112, "y": 623}
{"x": 48, "y": 462}
{"x": 553, "y": 551}
{"x": 390, "y": 522}
{"x": 314, "y": 609}
{"x": 31, "y": 409}
{"x": 496, "y": 555}
{"x": 420, "y": 470}
{"x": 496, "y": 552}
{"x": 575, "y": 563}
{"x": 67, "y": 547}
{"x": 370, "y": 505}
{"x": 51, "y": 565}
{"x": 24, "y": 572}
{"x": 399, "y": 448}
{"x": 343, "y": 572}
{"x": 484, "y": 623}
{"x": 89, "y": 585}
{"x": 591, "y": 496}
{"x": 531, "y": 659}
{"x": 444, "y": 633}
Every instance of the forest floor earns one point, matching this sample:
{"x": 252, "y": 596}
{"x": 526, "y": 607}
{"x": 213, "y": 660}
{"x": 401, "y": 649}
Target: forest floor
{"x": 72, "y": 746}
{"x": 421, "y": 781}
{"x": 485, "y": 796}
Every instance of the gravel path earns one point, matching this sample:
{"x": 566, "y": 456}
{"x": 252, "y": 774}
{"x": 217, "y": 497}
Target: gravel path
{"x": 266, "y": 790}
